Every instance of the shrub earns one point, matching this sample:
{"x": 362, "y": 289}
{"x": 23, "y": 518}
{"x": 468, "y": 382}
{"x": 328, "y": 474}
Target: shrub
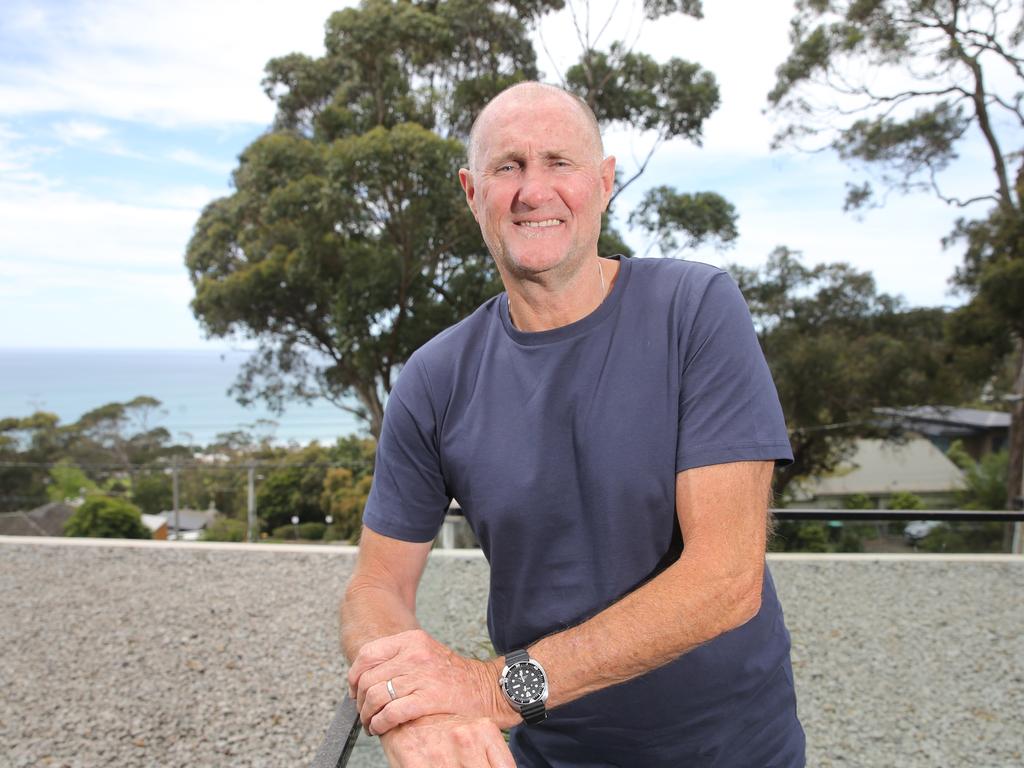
{"x": 312, "y": 531}
{"x": 107, "y": 518}
{"x": 224, "y": 529}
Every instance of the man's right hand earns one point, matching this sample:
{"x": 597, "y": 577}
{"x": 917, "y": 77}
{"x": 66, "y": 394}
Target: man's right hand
{"x": 447, "y": 741}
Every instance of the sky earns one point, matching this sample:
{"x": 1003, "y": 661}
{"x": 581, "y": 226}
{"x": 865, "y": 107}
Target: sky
{"x": 121, "y": 119}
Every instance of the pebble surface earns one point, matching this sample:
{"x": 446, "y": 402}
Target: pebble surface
{"x": 174, "y": 656}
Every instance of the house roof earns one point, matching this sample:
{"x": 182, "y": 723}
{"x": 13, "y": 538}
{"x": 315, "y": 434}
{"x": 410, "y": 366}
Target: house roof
{"x": 189, "y": 519}
{"x": 880, "y": 467}
{"x": 948, "y": 419}
{"x": 153, "y": 522}
{"x": 47, "y": 520}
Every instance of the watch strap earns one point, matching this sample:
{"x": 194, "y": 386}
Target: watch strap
{"x": 531, "y": 713}
{"x": 534, "y": 713}
{"x": 517, "y": 656}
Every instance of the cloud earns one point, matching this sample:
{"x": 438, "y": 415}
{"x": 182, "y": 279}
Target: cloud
{"x": 80, "y": 132}
{"x": 186, "y": 63}
{"x": 194, "y": 159}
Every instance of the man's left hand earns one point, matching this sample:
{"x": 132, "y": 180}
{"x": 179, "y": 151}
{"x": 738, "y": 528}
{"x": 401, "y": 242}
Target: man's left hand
{"x": 428, "y": 678}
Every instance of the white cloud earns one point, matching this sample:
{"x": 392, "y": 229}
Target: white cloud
{"x": 194, "y": 159}
{"x": 189, "y": 62}
{"x": 80, "y": 131}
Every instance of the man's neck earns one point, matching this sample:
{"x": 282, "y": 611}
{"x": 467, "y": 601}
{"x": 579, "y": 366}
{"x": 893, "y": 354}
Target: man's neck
{"x": 535, "y": 305}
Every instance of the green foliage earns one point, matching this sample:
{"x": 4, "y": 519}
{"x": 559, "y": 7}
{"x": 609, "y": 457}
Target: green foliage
{"x": 152, "y": 492}
{"x": 343, "y": 497}
{"x": 305, "y": 531}
{"x": 905, "y": 500}
{"x": 838, "y": 349}
{"x": 224, "y": 529}
{"x": 964, "y": 537}
{"x": 799, "y": 536}
{"x": 107, "y": 518}
{"x": 701, "y": 217}
{"x": 963, "y": 76}
{"x": 985, "y": 479}
{"x": 347, "y": 242}
{"x": 312, "y": 531}
{"x": 69, "y": 482}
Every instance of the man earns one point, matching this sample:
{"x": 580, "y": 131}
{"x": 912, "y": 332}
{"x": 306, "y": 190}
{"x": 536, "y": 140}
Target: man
{"x": 609, "y": 427}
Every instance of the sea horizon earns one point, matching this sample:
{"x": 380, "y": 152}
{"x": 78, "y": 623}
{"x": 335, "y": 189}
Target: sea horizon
{"x": 191, "y": 383}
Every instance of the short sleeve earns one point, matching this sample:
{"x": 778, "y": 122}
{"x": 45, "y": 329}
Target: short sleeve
{"x": 728, "y": 406}
{"x": 408, "y": 499}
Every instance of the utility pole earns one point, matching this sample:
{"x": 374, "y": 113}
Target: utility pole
{"x": 174, "y": 487}
{"x": 251, "y": 536}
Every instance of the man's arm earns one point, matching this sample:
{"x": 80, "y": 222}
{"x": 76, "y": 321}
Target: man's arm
{"x": 381, "y": 596}
{"x": 715, "y": 586}
{"x": 380, "y": 601}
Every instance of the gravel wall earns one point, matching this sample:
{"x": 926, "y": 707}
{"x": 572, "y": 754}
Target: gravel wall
{"x": 167, "y": 655}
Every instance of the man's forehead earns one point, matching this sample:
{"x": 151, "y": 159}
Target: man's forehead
{"x": 540, "y": 119}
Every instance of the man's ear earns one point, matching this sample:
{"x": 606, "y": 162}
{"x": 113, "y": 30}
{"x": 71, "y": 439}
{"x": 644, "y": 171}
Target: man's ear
{"x": 607, "y": 179}
{"x": 466, "y": 180}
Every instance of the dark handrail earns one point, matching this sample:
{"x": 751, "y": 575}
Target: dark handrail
{"x": 962, "y": 515}
{"x": 340, "y": 739}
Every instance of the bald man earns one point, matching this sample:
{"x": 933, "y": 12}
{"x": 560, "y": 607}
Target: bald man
{"x": 609, "y": 427}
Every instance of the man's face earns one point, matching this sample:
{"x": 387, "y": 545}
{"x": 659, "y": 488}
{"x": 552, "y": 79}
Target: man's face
{"x": 538, "y": 185}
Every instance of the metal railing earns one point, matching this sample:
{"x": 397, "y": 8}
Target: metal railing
{"x": 340, "y": 739}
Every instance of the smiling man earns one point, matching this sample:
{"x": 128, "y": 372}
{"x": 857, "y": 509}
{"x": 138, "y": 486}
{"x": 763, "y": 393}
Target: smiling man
{"x": 609, "y": 427}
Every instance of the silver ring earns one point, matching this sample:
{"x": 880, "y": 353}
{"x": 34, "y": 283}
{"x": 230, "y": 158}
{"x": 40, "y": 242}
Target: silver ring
{"x": 391, "y": 691}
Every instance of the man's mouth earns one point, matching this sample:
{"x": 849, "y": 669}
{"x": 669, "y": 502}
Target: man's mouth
{"x": 539, "y": 224}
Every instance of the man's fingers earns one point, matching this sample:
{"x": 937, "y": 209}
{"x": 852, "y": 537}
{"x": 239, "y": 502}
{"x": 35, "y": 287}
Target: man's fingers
{"x": 499, "y": 755}
{"x": 400, "y": 711}
{"x": 376, "y": 698}
{"x": 372, "y": 654}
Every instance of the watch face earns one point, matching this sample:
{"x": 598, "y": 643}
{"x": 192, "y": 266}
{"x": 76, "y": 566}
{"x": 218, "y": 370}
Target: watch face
{"x": 525, "y": 683}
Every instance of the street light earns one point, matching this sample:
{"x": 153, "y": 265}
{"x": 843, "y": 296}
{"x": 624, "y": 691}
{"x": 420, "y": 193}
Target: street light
{"x": 295, "y": 525}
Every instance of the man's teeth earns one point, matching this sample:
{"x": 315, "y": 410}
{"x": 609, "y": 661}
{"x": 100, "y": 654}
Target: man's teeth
{"x": 545, "y": 223}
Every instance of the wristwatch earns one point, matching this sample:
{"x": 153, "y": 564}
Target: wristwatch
{"x": 525, "y": 686}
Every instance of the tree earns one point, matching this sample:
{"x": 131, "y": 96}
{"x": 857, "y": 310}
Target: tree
{"x": 958, "y": 73}
{"x": 69, "y": 482}
{"x": 107, "y": 518}
{"x": 344, "y": 497}
{"x": 347, "y": 243}
{"x": 838, "y": 349}
{"x": 152, "y": 492}
{"x": 27, "y": 445}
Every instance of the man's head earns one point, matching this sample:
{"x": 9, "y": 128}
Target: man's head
{"x": 537, "y": 180}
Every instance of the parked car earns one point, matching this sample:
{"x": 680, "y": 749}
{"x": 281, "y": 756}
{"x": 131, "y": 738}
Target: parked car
{"x": 918, "y": 529}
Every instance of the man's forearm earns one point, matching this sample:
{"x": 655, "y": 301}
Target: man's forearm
{"x": 683, "y": 607}
{"x": 369, "y": 612}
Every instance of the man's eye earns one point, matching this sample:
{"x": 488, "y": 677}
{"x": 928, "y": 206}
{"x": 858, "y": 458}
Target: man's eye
{"x": 507, "y": 168}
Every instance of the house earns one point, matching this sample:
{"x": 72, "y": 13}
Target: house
{"x": 47, "y": 520}
{"x": 981, "y": 432}
{"x": 879, "y": 469}
{"x": 157, "y": 526}
{"x": 191, "y": 521}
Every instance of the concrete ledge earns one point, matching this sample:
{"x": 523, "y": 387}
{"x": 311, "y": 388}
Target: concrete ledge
{"x": 477, "y": 554}
{"x": 201, "y": 655}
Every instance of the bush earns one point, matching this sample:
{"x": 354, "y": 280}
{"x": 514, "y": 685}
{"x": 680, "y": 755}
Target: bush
{"x": 224, "y": 529}
{"x": 107, "y": 518}
{"x": 964, "y": 537}
{"x": 312, "y": 531}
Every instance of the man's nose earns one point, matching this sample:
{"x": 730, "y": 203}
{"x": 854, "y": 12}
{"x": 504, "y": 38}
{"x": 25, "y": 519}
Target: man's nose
{"x": 535, "y": 189}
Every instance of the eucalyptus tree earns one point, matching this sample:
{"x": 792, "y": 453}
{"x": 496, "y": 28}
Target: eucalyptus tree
{"x": 838, "y": 350}
{"x": 897, "y": 87}
{"x": 346, "y": 242}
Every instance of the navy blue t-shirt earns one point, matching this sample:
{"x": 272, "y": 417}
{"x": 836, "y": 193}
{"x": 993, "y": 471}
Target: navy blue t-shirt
{"x": 562, "y": 448}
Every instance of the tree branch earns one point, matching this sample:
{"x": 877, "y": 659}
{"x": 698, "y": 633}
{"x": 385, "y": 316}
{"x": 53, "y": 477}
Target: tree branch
{"x": 640, "y": 171}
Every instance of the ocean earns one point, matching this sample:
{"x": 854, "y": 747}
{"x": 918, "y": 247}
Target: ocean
{"x": 192, "y": 385}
